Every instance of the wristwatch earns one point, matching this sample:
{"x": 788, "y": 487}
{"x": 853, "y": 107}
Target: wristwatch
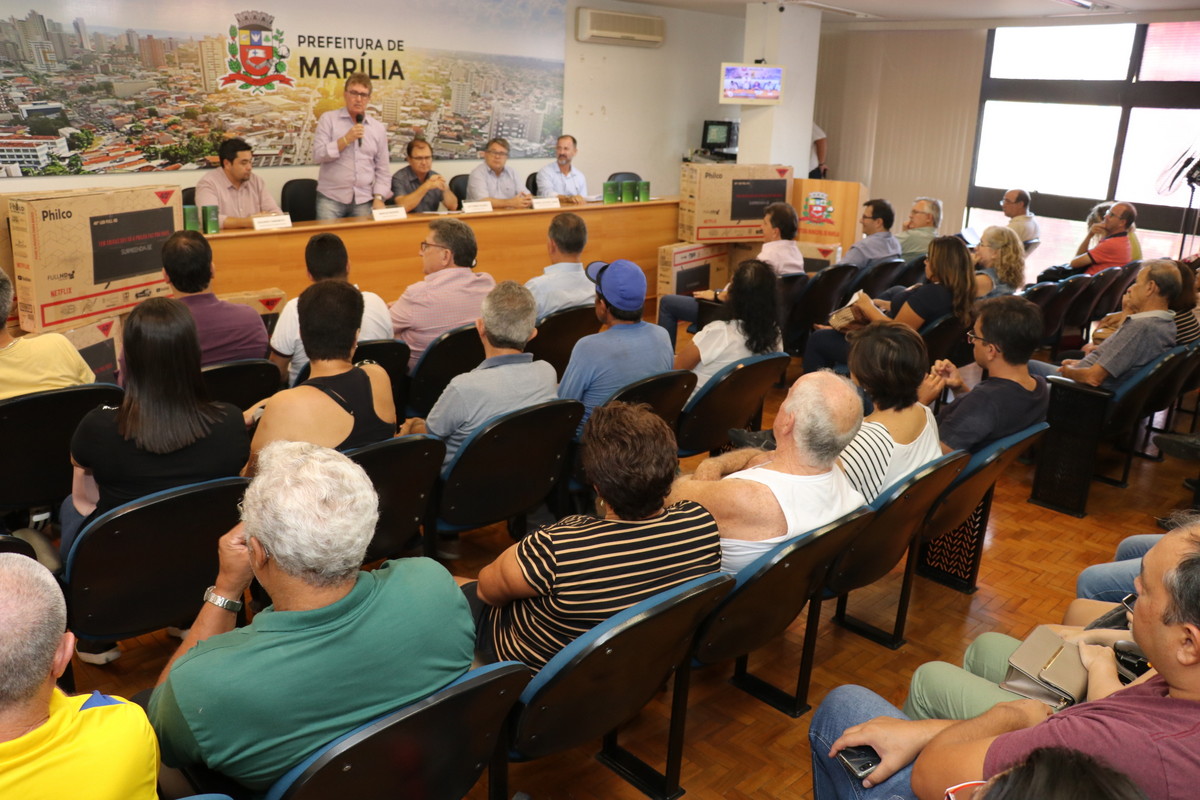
{"x": 378, "y": 197}
{"x": 210, "y": 596}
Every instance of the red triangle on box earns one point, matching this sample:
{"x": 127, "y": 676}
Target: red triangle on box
{"x": 782, "y": 171}
{"x": 825, "y": 251}
{"x": 270, "y": 302}
{"x": 105, "y": 327}
{"x": 165, "y": 195}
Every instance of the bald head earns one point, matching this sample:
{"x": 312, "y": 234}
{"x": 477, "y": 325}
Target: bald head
{"x": 33, "y": 618}
{"x": 825, "y": 412}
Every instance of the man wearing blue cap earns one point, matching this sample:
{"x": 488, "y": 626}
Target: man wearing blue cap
{"x": 627, "y": 350}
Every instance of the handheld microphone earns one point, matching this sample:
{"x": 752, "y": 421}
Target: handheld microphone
{"x": 358, "y": 119}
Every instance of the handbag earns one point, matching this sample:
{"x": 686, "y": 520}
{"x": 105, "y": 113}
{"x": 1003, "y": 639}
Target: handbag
{"x": 848, "y": 318}
{"x": 1047, "y": 668}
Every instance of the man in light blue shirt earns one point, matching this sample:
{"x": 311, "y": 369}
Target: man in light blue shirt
{"x": 563, "y": 284}
{"x": 878, "y": 243}
{"x": 496, "y": 182}
{"x": 627, "y": 351}
{"x": 560, "y": 179}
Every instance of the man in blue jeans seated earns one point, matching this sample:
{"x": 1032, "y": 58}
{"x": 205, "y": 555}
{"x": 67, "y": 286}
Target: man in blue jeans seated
{"x": 1112, "y": 581}
{"x": 1147, "y": 730}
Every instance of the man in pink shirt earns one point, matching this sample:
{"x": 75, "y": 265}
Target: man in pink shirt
{"x": 235, "y": 189}
{"x": 1114, "y": 249}
{"x": 451, "y": 294}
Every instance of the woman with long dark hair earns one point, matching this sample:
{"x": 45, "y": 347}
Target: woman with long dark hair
{"x": 752, "y": 327}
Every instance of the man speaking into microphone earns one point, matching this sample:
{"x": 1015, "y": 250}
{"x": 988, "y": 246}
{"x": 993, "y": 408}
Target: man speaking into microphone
{"x": 353, "y": 153}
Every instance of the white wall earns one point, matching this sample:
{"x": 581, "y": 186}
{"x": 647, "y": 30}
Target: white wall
{"x": 630, "y": 108}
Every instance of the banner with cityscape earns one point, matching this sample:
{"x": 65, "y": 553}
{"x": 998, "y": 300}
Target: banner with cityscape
{"x": 149, "y": 85}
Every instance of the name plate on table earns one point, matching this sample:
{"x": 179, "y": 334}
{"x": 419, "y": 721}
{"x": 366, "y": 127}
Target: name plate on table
{"x": 477, "y": 206}
{"x": 270, "y": 222}
{"x": 393, "y": 212}
{"x": 546, "y": 202}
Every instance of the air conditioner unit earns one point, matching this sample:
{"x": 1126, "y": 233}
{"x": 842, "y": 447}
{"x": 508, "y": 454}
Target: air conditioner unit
{"x": 611, "y": 27}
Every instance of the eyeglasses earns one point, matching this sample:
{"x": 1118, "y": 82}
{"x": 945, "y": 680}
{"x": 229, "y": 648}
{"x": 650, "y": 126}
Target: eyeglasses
{"x": 426, "y": 245}
{"x": 359, "y": 95}
{"x": 1007, "y": 202}
{"x": 952, "y": 792}
{"x": 973, "y": 338}
{"x": 421, "y": 158}
{"x": 865, "y": 217}
{"x": 497, "y": 153}
{"x": 1129, "y": 600}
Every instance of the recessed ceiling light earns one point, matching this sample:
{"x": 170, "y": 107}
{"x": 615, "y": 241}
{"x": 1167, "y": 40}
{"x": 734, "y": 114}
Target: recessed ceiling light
{"x": 848, "y": 12}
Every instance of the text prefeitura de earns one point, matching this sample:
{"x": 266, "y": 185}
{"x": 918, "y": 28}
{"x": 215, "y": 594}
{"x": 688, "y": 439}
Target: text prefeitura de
{"x": 349, "y": 43}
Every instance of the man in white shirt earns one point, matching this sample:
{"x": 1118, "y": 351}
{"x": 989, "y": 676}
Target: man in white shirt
{"x": 326, "y": 259}
{"x": 561, "y": 179}
{"x": 496, "y": 182}
{"x": 563, "y": 284}
{"x": 1015, "y": 206}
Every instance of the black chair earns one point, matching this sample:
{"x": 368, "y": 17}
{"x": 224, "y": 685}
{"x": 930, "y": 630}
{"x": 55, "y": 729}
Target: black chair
{"x": 733, "y": 398}
{"x": 1040, "y": 293}
{"x": 913, "y": 272}
{"x": 768, "y": 596}
{"x": 1110, "y": 301}
{"x": 453, "y": 353}
{"x": 299, "y": 199}
{"x": 242, "y": 383}
{"x": 1079, "y": 314}
{"x": 950, "y": 545}
{"x": 39, "y": 428}
{"x": 504, "y": 470}
{"x": 11, "y": 544}
{"x": 458, "y": 185}
{"x": 816, "y": 301}
{"x": 946, "y": 337}
{"x": 145, "y": 565}
{"x": 605, "y": 677}
{"x": 403, "y": 472}
{"x": 188, "y": 196}
{"x": 899, "y": 515}
{"x": 531, "y": 184}
{"x": 557, "y": 334}
{"x": 1031, "y": 245}
{"x": 665, "y": 393}
{"x": 624, "y": 176}
{"x": 1055, "y": 310}
{"x": 434, "y": 749}
{"x": 875, "y": 278}
{"x": 392, "y": 355}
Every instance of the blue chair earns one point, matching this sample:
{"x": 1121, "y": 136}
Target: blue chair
{"x": 458, "y": 185}
{"x": 767, "y": 597}
{"x": 454, "y": 352}
{"x": 433, "y": 749}
{"x": 403, "y": 471}
{"x": 732, "y": 398}
{"x": 605, "y": 677}
{"x": 950, "y": 545}
{"x": 899, "y": 515}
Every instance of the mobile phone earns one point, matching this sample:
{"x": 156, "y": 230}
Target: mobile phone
{"x": 859, "y": 761}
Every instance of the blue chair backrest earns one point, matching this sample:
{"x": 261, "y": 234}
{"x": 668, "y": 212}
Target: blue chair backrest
{"x": 1132, "y": 381}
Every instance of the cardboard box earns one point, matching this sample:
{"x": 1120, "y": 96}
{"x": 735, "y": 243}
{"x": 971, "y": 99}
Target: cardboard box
{"x": 816, "y": 256}
{"x": 725, "y": 202}
{"x": 99, "y": 343}
{"x": 84, "y": 256}
{"x": 686, "y": 267}
{"x": 829, "y": 213}
{"x": 267, "y": 302}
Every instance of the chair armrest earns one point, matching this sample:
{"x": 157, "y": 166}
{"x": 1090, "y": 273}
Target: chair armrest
{"x": 1068, "y": 384}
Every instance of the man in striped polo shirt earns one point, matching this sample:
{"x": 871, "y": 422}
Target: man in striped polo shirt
{"x": 561, "y": 581}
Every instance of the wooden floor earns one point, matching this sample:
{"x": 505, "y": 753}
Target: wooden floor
{"x": 739, "y": 748}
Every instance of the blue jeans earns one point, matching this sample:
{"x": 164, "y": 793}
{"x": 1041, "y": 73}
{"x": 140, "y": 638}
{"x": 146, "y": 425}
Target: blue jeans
{"x": 826, "y": 348}
{"x": 676, "y": 308}
{"x": 843, "y": 707}
{"x": 1112, "y": 581}
{"x": 332, "y": 209}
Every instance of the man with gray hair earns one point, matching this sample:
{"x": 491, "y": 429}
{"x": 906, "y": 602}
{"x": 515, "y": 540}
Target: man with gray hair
{"x": 338, "y": 647}
{"x": 507, "y": 380}
{"x": 761, "y": 499}
{"x": 921, "y": 227}
{"x": 52, "y": 745}
{"x": 36, "y": 363}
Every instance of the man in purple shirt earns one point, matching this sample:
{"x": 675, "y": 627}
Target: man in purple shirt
{"x": 352, "y": 150}
{"x": 234, "y": 189}
{"x": 228, "y": 331}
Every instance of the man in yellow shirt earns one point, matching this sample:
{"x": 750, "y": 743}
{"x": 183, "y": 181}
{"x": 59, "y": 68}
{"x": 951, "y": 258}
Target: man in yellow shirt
{"x": 36, "y": 363}
{"x": 54, "y": 746}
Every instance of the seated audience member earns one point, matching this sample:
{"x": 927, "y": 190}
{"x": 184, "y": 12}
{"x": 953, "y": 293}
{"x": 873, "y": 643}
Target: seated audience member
{"x": 560, "y": 179}
{"x": 1187, "y": 326}
{"x": 1110, "y": 582}
{"x": 341, "y": 405}
{"x": 887, "y": 361}
{"x": 564, "y": 579}
{"x": 921, "y": 227}
{"x": 234, "y": 189}
{"x": 1148, "y": 332}
{"x": 999, "y": 262}
{"x": 1113, "y": 249}
{"x": 36, "y": 363}
{"x": 779, "y": 251}
{"x": 495, "y": 182}
{"x": 53, "y": 745}
{"x": 1006, "y": 332}
{"x": 326, "y": 259}
{"x": 950, "y": 290}
{"x": 1015, "y": 206}
{"x": 563, "y": 284}
{"x": 762, "y": 499}
{"x": 338, "y": 646}
{"x": 507, "y": 380}
{"x": 1146, "y": 730}
{"x": 752, "y": 326}
{"x": 164, "y": 434}
{"x": 626, "y": 351}
{"x": 878, "y": 242}
{"x": 417, "y": 187}
{"x": 1096, "y": 216}
{"x": 451, "y": 293}
{"x": 1053, "y": 773}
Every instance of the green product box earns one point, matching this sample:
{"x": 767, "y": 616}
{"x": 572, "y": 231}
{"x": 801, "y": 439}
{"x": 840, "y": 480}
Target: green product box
{"x": 612, "y": 192}
{"x": 628, "y": 191}
{"x": 643, "y": 191}
{"x": 212, "y": 220}
{"x": 191, "y": 218}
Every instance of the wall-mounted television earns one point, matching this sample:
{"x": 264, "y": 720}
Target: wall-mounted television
{"x": 751, "y": 84}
